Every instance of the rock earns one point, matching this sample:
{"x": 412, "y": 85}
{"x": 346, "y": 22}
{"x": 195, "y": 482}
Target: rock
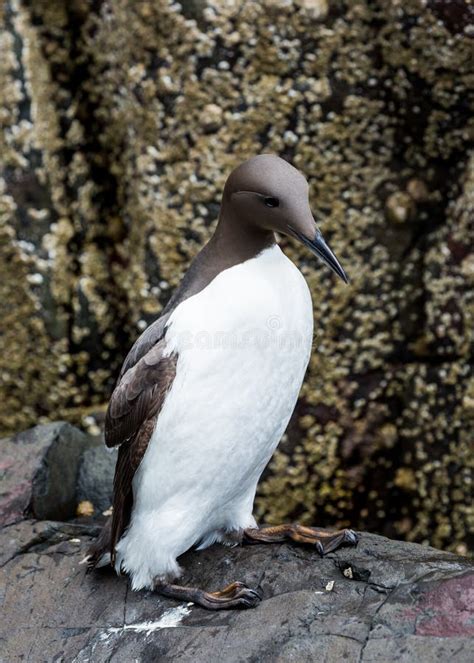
{"x": 96, "y": 477}
{"x": 418, "y": 190}
{"x": 39, "y": 472}
{"x": 212, "y": 118}
{"x": 399, "y": 207}
{"x": 85, "y": 509}
{"x": 415, "y": 605}
{"x": 193, "y": 8}
{"x": 317, "y": 9}
{"x": 277, "y": 4}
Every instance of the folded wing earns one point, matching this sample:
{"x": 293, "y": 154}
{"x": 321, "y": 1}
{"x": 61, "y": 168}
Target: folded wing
{"x": 129, "y": 423}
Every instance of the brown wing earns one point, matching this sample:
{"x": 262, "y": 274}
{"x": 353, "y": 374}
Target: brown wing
{"x": 130, "y": 420}
{"x": 146, "y": 341}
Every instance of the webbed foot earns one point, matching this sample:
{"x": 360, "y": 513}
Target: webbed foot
{"x": 324, "y": 542}
{"x": 235, "y": 595}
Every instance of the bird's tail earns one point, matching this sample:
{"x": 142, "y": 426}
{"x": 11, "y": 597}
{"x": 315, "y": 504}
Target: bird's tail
{"x": 98, "y": 553}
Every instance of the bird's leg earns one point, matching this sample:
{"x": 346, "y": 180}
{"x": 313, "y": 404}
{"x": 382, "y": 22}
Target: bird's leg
{"x": 324, "y": 542}
{"x": 235, "y": 595}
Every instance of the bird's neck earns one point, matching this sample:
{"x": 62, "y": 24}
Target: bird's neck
{"x": 233, "y": 242}
{"x": 237, "y": 240}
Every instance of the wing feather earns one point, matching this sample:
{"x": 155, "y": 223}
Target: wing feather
{"x": 137, "y": 393}
{"x": 129, "y": 424}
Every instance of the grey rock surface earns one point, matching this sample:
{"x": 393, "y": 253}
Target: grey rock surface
{"x": 96, "y": 476}
{"x": 39, "y": 472}
{"x": 415, "y": 606}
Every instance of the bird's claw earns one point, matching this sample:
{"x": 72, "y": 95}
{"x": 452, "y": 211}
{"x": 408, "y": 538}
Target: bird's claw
{"x": 332, "y": 542}
{"x": 246, "y": 597}
{"x": 351, "y": 537}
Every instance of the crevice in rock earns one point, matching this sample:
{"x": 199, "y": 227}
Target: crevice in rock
{"x": 52, "y": 534}
{"x": 372, "y": 622}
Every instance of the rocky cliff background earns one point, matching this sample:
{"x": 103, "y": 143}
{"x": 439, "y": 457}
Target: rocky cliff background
{"x": 120, "y": 122}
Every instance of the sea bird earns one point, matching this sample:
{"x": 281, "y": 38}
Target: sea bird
{"x": 207, "y": 391}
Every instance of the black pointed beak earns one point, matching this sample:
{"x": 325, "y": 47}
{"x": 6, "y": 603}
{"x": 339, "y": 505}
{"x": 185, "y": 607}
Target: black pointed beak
{"x": 318, "y": 246}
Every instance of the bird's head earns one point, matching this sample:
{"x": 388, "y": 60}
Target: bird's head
{"x": 269, "y": 194}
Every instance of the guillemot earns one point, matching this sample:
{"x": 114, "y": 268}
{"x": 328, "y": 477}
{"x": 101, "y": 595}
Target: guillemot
{"x": 207, "y": 391}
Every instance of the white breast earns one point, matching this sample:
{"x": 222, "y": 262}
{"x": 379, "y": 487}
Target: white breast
{"x": 243, "y": 345}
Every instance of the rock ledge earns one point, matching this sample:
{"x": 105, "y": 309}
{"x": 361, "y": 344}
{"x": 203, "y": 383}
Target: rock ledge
{"x": 383, "y": 601}
{"x": 415, "y": 605}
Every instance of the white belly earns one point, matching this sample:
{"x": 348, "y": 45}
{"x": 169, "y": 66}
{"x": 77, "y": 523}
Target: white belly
{"x": 243, "y": 346}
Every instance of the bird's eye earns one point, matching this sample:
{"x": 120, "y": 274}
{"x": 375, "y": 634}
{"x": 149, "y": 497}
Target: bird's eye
{"x": 270, "y": 201}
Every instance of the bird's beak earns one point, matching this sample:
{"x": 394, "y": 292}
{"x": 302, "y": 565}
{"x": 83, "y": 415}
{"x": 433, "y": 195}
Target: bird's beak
{"x": 318, "y": 246}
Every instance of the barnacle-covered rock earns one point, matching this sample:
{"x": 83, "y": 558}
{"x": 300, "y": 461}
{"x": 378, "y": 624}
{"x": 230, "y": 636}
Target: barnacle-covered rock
{"x": 120, "y": 122}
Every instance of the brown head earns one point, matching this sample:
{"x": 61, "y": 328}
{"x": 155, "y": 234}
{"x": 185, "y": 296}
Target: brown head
{"x": 265, "y": 195}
